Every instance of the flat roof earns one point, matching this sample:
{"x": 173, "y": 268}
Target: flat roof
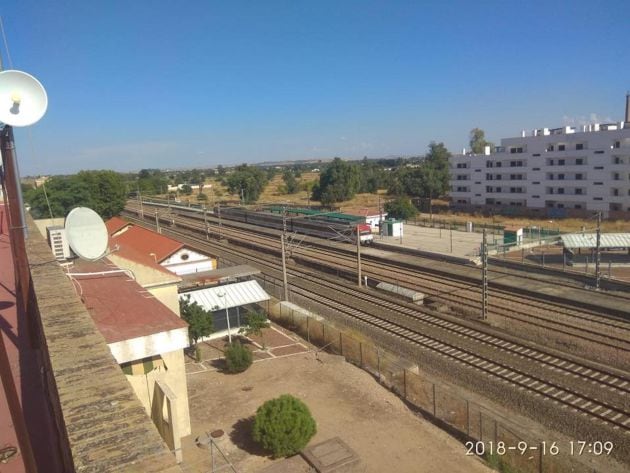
{"x": 589, "y": 240}
{"x": 228, "y": 295}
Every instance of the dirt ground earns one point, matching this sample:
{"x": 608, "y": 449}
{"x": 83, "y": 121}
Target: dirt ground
{"x": 345, "y": 401}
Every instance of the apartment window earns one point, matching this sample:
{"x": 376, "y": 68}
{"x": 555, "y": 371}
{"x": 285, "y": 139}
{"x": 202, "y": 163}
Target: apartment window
{"x": 577, "y": 206}
{"x": 598, "y": 167}
{"x": 498, "y": 164}
{"x": 578, "y": 177}
{"x": 598, "y": 198}
{"x": 616, "y": 176}
{"x": 560, "y": 177}
{"x": 551, "y": 162}
{"x": 599, "y": 152}
{"x": 617, "y": 160}
{"x": 535, "y": 197}
{"x": 560, "y": 206}
{"x": 489, "y": 189}
{"x": 515, "y": 150}
{"x": 598, "y": 183}
{"x": 488, "y": 164}
{"x": 617, "y": 144}
{"x": 550, "y": 148}
{"x": 561, "y": 147}
{"x": 477, "y": 183}
{"x": 615, "y": 192}
{"x": 561, "y": 162}
{"x": 560, "y": 190}
{"x": 498, "y": 189}
{"x": 536, "y": 169}
{"x": 488, "y": 177}
{"x": 536, "y": 182}
{"x": 477, "y": 170}
{"x": 498, "y": 177}
{"x": 579, "y": 146}
{"x": 578, "y": 191}
{"x": 579, "y": 161}
{"x": 536, "y": 155}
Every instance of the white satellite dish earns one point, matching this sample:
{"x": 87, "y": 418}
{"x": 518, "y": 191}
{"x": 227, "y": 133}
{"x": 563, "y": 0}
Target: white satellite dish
{"x": 23, "y": 99}
{"x": 87, "y": 234}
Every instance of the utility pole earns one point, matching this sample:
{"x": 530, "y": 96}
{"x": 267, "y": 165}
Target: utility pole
{"x": 157, "y": 222}
{"x": 219, "y": 213}
{"x": 484, "y": 276}
{"x": 140, "y": 200}
{"x": 205, "y": 219}
{"x": 242, "y": 197}
{"x": 598, "y": 274}
{"x": 358, "y": 255}
{"x": 451, "y": 229}
{"x": 284, "y": 269}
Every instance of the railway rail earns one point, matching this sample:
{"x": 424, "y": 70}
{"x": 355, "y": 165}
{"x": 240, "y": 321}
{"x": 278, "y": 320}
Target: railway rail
{"x": 584, "y": 324}
{"x": 569, "y": 382}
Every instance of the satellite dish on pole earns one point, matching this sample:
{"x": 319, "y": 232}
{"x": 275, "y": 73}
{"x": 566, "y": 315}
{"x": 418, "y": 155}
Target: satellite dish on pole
{"x": 87, "y": 234}
{"x": 23, "y": 99}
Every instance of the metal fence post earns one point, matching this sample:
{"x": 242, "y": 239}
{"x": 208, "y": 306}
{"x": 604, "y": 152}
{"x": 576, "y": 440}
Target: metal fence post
{"x": 434, "y": 400}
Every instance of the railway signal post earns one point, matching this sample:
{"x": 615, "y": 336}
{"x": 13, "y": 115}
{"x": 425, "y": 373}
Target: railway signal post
{"x": 598, "y": 273}
{"x": 484, "y": 276}
{"x": 358, "y": 256}
{"x": 284, "y": 269}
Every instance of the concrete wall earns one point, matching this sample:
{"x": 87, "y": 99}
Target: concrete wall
{"x": 175, "y": 378}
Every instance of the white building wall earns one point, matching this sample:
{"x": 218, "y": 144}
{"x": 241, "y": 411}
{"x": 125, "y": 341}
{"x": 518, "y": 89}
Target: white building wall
{"x": 186, "y": 261}
{"x": 554, "y": 169}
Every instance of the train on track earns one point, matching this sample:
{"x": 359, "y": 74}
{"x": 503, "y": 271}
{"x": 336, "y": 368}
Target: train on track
{"x": 330, "y": 225}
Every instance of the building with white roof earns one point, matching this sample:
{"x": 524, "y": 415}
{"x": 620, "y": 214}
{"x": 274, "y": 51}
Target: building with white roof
{"x": 568, "y": 171}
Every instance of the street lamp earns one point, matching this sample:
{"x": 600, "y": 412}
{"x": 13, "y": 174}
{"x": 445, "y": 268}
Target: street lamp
{"x": 227, "y": 316}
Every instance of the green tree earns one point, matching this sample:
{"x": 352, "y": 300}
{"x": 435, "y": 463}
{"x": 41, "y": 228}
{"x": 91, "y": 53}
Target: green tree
{"x": 429, "y": 179}
{"x": 220, "y": 170}
{"x": 338, "y": 182}
{"x": 291, "y": 183}
{"x": 102, "y": 191}
{"x": 248, "y": 180}
{"x": 186, "y": 189}
{"x": 401, "y": 208}
{"x": 254, "y": 324}
{"x": 150, "y": 181}
{"x": 199, "y": 320}
{"x": 478, "y": 141}
{"x": 283, "y": 426}
{"x": 237, "y": 357}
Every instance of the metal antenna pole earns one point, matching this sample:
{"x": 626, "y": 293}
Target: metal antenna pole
{"x": 284, "y": 270}
{"x": 358, "y": 256}
{"x": 598, "y": 274}
{"x": 17, "y": 231}
{"x": 157, "y": 222}
{"x": 484, "y": 272}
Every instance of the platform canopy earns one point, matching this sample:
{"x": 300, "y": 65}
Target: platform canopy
{"x": 589, "y": 240}
{"x": 228, "y": 295}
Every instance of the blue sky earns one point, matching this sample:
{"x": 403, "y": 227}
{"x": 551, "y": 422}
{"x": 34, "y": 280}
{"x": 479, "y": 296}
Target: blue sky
{"x": 140, "y": 84}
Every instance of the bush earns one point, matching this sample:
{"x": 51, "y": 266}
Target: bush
{"x": 237, "y": 357}
{"x": 283, "y": 426}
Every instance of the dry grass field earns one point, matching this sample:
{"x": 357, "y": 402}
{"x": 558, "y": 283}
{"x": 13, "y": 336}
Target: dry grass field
{"x": 273, "y": 194}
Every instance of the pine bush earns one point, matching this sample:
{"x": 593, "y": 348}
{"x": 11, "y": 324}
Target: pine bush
{"x": 283, "y": 426}
{"x": 237, "y": 357}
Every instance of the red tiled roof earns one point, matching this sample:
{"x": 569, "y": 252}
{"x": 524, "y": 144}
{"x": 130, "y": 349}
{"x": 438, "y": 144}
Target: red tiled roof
{"x": 147, "y": 242}
{"x": 115, "y": 224}
{"x": 127, "y": 252}
{"x": 119, "y": 306}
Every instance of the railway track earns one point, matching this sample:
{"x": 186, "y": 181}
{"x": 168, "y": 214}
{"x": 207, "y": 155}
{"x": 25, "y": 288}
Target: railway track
{"x": 585, "y": 324}
{"x": 573, "y": 385}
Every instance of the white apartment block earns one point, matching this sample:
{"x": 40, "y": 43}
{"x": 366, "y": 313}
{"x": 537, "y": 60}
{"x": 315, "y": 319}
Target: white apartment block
{"x": 556, "y": 172}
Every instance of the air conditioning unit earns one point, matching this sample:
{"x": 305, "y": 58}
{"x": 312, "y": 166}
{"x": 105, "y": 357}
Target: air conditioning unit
{"x": 58, "y": 242}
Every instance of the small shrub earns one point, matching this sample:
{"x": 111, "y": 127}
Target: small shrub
{"x": 283, "y": 426}
{"x": 237, "y": 358}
